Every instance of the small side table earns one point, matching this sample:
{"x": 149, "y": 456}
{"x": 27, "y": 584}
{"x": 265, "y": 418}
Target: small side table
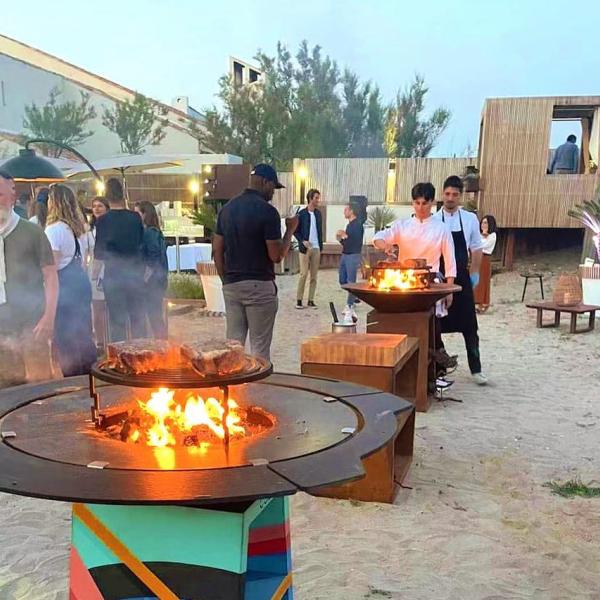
{"x": 529, "y": 276}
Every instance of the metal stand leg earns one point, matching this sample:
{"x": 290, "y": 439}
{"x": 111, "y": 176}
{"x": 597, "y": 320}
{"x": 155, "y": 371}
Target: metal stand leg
{"x": 95, "y": 408}
{"x": 524, "y": 289}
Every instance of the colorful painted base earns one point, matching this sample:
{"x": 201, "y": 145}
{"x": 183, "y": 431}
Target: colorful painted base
{"x": 235, "y": 551}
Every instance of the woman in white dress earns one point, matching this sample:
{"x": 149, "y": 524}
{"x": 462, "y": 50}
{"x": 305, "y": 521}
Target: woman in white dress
{"x": 66, "y": 231}
{"x": 482, "y": 291}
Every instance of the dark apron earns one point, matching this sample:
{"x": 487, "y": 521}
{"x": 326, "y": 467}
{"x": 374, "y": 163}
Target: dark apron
{"x": 73, "y": 337}
{"x": 461, "y": 314}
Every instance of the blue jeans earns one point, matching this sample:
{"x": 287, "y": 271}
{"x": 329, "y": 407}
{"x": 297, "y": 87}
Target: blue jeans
{"x": 349, "y": 265}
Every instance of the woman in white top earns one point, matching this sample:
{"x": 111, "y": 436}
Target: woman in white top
{"x": 66, "y": 231}
{"x": 482, "y": 291}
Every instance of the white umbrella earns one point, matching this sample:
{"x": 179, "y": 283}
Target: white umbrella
{"x": 124, "y": 164}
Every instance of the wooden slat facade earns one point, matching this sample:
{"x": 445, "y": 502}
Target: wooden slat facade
{"x": 160, "y": 188}
{"x": 339, "y": 178}
{"x": 434, "y": 170}
{"x": 283, "y": 199}
{"x": 513, "y": 158}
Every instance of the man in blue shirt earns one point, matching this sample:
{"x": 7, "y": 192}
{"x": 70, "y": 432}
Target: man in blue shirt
{"x": 246, "y": 244}
{"x": 566, "y": 158}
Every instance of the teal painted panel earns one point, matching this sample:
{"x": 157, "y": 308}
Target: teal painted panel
{"x": 277, "y": 511}
{"x": 92, "y": 551}
{"x": 203, "y": 537}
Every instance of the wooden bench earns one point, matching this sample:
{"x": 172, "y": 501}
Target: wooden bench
{"x": 389, "y": 363}
{"x": 574, "y": 311}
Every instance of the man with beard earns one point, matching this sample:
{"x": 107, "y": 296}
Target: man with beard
{"x": 28, "y": 294}
{"x": 462, "y": 317}
{"x": 246, "y": 244}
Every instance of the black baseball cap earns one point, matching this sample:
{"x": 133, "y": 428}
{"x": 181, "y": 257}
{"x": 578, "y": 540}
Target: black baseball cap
{"x": 267, "y": 172}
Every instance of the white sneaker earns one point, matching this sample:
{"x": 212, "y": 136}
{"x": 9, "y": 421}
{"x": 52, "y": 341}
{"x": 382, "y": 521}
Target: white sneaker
{"x": 479, "y": 378}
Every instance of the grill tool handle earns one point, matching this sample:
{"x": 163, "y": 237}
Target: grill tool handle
{"x": 333, "y": 312}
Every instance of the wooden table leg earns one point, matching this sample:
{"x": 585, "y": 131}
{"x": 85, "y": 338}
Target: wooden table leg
{"x": 590, "y": 327}
{"x": 557, "y": 318}
{"x": 573, "y": 328}
{"x": 539, "y": 323}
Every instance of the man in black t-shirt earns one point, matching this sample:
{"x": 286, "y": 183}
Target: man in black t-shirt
{"x": 246, "y": 244}
{"x": 119, "y": 239}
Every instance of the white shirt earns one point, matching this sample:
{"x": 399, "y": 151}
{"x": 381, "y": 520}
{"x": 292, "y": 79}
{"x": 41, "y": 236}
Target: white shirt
{"x": 470, "y": 225}
{"x": 427, "y": 239}
{"x": 313, "y": 236}
{"x": 62, "y": 242}
{"x": 489, "y": 243}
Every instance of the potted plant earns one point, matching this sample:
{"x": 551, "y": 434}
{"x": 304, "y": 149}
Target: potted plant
{"x": 381, "y": 217}
{"x": 588, "y": 214}
{"x": 206, "y": 216}
{"x": 471, "y": 179}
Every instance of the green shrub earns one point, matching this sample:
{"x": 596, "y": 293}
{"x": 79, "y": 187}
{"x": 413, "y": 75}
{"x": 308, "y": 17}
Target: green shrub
{"x": 184, "y": 286}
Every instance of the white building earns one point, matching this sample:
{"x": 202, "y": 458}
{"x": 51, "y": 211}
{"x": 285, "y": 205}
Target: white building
{"x": 28, "y": 75}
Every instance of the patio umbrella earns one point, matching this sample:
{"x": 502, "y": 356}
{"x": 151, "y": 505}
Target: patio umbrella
{"x": 123, "y": 165}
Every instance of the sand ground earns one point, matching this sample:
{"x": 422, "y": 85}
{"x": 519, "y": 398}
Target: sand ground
{"x": 475, "y": 520}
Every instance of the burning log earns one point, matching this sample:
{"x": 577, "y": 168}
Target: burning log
{"x": 164, "y": 420}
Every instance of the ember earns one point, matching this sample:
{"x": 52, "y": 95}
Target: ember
{"x": 168, "y": 420}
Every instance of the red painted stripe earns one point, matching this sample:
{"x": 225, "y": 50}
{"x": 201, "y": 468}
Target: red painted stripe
{"x": 270, "y": 532}
{"x": 278, "y": 546}
{"x": 81, "y": 584}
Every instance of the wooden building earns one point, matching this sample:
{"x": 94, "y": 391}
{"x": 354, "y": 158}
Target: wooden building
{"x": 514, "y": 146}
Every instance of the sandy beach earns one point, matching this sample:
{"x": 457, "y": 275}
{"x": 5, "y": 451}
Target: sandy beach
{"x": 474, "y": 520}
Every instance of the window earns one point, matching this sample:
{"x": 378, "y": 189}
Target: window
{"x": 573, "y": 147}
{"x": 238, "y": 73}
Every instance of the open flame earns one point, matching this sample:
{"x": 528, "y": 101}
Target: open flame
{"x": 396, "y": 279}
{"x": 162, "y": 421}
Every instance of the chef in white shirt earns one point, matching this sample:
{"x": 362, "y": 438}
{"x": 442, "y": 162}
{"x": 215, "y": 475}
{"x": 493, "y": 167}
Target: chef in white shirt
{"x": 421, "y": 236}
{"x": 466, "y": 235}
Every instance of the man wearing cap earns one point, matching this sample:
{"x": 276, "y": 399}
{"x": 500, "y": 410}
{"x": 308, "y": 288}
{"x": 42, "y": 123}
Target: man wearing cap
{"x": 246, "y": 244}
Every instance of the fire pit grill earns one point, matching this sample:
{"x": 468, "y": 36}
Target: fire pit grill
{"x": 323, "y": 429}
{"x": 203, "y": 526}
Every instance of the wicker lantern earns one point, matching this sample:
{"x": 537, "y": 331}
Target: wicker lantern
{"x": 568, "y": 290}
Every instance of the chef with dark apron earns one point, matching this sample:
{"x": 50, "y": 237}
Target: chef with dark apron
{"x": 462, "y": 317}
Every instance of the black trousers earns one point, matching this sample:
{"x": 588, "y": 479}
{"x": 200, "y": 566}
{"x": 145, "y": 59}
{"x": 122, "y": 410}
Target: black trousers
{"x": 153, "y": 299}
{"x": 471, "y": 344}
{"x": 124, "y": 294}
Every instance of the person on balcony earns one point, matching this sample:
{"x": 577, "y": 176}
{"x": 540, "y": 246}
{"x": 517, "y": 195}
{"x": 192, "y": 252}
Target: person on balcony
{"x": 566, "y": 158}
